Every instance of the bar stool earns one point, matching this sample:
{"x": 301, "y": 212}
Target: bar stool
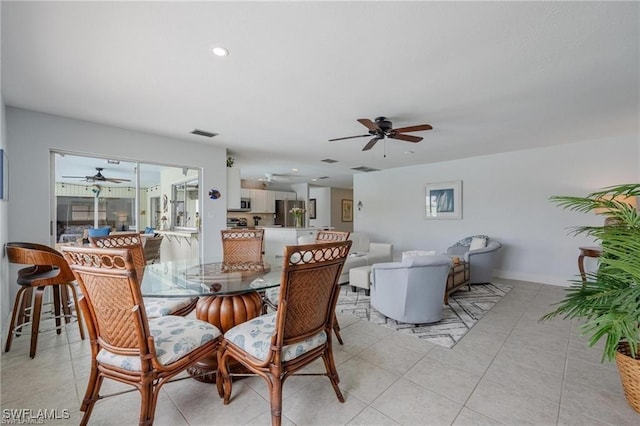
{"x": 49, "y": 269}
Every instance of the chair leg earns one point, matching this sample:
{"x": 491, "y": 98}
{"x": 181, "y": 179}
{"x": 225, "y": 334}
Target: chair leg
{"x": 336, "y": 330}
{"x": 223, "y": 381}
{"x": 275, "y": 391}
{"x": 24, "y": 314}
{"x": 57, "y": 305}
{"x": 35, "y": 325}
{"x": 91, "y": 396}
{"x": 332, "y": 373}
{"x": 18, "y": 307}
{"x": 146, "y": 402}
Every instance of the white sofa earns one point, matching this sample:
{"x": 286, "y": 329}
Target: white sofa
{"x": 363, "y": 252}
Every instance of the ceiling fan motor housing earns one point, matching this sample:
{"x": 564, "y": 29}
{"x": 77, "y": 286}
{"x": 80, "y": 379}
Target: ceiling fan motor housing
{"x": 384, "y": 125}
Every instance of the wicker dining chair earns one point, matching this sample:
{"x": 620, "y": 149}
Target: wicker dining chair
{"x": 152, "y": 248}
{"x": 242, "y": 245}
{"x": 274, "y": 346}
{"x": 155, "y": 306}
{"x": 272, "y": 295}
{"x": 126, "y": 346}
{"x": 48, "y": 270}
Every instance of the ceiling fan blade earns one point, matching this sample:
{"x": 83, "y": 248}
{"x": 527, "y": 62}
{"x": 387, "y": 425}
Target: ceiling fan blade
{"x": 417, "y": 128}
{"x": 407, "y": 138}
{"x": 348, "y": 137}
{"x": 116, "y": 180}
{"x": 371, "y": 143}
{"x": 369, "y": 124}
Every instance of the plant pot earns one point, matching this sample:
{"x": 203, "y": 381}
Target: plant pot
{"x": 629, "y": 370}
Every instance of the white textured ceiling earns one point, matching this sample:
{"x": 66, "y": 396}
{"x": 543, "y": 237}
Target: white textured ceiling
{"x": 488, "y": 76}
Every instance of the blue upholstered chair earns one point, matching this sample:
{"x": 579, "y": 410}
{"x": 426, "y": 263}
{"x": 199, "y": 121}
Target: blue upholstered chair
{"x": 411, "y": 291}
{"x": 480, "y": 251}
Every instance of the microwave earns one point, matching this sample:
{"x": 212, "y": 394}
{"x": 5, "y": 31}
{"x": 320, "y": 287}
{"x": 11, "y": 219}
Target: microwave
{"x": 245, "y": 204}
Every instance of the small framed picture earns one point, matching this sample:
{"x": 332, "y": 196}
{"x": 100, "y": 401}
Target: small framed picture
{"x": 312, "y": 208}
{"x": 443, "y": 200}
{"x": 347, "y": 210}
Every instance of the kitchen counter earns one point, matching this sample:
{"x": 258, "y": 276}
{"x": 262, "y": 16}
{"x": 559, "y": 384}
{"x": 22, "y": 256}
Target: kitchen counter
{"x": 275, "y": 239}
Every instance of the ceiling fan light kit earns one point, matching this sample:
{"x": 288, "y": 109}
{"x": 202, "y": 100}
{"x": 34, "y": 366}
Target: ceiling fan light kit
{"x": 383, "y": 128}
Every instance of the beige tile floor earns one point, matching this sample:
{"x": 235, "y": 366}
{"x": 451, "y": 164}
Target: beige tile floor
{"x": 509, "y": 369}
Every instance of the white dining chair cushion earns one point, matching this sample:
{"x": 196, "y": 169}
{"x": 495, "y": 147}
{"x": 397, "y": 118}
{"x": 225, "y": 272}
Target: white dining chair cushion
{"x": 156, "y": 307}
{"x": 254, "y": 337}
{"x": 174, "y": 337}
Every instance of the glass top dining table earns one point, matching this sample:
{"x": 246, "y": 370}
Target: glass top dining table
{"x": 209, "y": 277}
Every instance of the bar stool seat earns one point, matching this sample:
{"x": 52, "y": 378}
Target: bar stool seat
{"x": 49, "y": 270}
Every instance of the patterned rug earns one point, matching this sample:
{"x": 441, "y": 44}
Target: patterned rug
{"x": 465, "y": 308}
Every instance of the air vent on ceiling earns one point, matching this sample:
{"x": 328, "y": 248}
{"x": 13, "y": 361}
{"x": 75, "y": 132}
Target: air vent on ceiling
{"x": 204, "y": 133}
{"x": 323, "y": 177}
{"x": 365, "y": 169}
{"x": 329, "y": 160}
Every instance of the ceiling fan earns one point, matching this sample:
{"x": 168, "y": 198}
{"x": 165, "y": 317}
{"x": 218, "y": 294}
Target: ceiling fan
{"x": 383, "y": 128}
{"x": 274, "y": 177}
{"x": 98, "y": 177}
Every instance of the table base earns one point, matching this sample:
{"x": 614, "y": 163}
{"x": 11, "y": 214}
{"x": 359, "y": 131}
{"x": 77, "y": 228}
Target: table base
{"x": 224, "y": 312}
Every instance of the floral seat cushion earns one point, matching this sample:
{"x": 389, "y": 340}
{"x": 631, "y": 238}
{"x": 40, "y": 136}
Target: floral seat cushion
{"x": 254, "y": 337}
{"x": 174, "y": 337}
{"x": 272, "y": 295}
{"x": 162, "y": 306}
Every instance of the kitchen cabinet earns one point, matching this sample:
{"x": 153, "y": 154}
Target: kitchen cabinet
{"x": 284, "y": 195}
{"x": 233, "y": 188}
{"x": 263, "y": 201}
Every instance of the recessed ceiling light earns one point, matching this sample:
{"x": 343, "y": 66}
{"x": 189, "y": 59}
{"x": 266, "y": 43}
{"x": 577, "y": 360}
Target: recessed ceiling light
{"x": 294, "y": 170}
{"x": 220, "y": 51}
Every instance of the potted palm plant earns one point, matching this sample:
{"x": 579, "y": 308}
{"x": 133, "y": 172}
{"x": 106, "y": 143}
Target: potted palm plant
{"x": 609, "y": 299}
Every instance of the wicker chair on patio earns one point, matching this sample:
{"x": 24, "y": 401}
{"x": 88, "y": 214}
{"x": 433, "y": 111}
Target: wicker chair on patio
{"x": 155, "y": 306}
{"x": 274, "y": 346}
{"x": 126, "y": 346}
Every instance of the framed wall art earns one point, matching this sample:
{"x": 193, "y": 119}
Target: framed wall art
{"x": 443, "y": 200}
{"x": 347, "y": 210}
{"x": 312, "y": 208}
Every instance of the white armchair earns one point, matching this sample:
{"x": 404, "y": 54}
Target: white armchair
{"x": 411, "y": 291}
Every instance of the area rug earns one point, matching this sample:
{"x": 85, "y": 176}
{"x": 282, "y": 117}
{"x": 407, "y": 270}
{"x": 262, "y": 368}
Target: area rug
{"x": 465, "y": 308}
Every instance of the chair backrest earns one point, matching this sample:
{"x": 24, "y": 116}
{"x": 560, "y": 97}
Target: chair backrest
{"x": 152, "y": 248}
{"x": 309, "y": 291}
{"x": 48, "y": 264}
{"x": 109, "y": 284}
{"x": 242, "y": 245}
{"x": 330, "y": 236}
{"x": 131, "y": 241}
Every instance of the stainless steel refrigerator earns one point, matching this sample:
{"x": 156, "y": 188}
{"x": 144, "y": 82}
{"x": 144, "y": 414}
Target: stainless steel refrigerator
{"x": 283, "y": 217}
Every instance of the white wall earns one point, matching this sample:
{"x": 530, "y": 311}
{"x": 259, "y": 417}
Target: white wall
{"x": 323, "y": 206}
{"x": 337, "y": 195}
{"x": 5, "y": 299}
{"x": 504, "y": 196}
{"x": 31, "y": 136}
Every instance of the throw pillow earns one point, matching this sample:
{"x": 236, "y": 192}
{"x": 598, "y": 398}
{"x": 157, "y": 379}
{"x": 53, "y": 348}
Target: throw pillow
{"x": 99, "y": 232}
{"x": 478, "y": 243}
{"x": 149, "y": 230}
